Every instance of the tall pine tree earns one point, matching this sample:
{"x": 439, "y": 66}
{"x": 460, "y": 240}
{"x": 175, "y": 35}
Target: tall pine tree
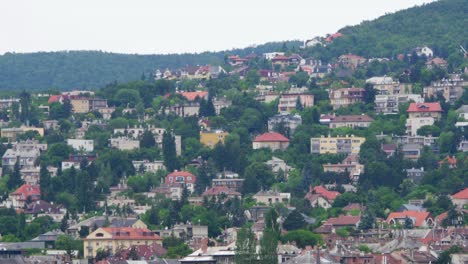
{"x": 45, "y": 183}
{"x": 15, "y": 178}
{"x": 169, "y": 152}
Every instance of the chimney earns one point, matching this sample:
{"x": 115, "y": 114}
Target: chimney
{"x": 204, "y": 245}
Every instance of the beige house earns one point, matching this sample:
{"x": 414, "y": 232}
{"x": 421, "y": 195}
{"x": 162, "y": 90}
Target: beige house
{"x": 340, "y": 144}
{"x": 115, "y": 238}
{"x": 271, "y": 140}
{"x": 12, "y": 133}
{"x": 210, "y": 139}
{"x": 352, "y": 121}
{"x": 345, "y": 97}
{"x": 272, "y": 197}
{"x": 123, "y": 143}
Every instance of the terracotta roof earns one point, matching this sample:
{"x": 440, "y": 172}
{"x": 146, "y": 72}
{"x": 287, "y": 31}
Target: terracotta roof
{"x": 353, "y": 206}
{"x": 343, "y": 220}
{"x": 463, "y": 194}
{"x": 130, "y": 233}
{"x": 184, "y": 174}
{"x": 271, "y": 137}
{"x": 389, "y": 147}
{"x": 329, "y": 195}
{"x": 424, "y": 107}
{"x": 440, "y": 218}
{"x": 436, "y": 61}
{"x": 27, "y": 190}
{"x": 54, "y": 98}
{"x": 450, "y": 160}
{"x": 280, "y": 58}
{"x": 352, "y": 118}
{"x": 333, "y": 36}
{"x": 191, "y": 96}
{"x": 418, "y": 216}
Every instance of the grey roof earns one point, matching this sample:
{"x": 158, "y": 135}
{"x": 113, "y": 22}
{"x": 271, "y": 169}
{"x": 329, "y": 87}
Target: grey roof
{"x": 463, "y": 109}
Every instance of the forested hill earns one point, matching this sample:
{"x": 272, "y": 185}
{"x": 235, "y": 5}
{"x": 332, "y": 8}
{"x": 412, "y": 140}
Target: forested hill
{"x": 442, "y": 25}
{"x": 94, "y": 69}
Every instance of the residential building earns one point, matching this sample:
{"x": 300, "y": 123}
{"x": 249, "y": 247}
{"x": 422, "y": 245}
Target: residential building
{"x": 418, "y": 218}
{"x": 463, "y": 112}
{"x": 277, "y": 165}
{"x": 349, "y": 165}
{"x": 86, "y": 145}
{"x": 290, "y": 100}
{"x": 23, "y": 194}
{"x": 388, "y": 104}
{"x": 30, "y": 175}
{"x": 95, "y": 222}
{"x": 411, "y": 151}
{"x": 271, "y": 55}
{"x": 185, "y": 109}
{"x": 231, "y": 183}
{"x": 288, "y": 121}
{"x": 321, "y": 197}
{"x": 210, "y": 139}
{"x": 341, "y": 144}
{"x": 429, "y": 141}
{"x": 352, "y": 121}
{"x": 424, "y": 51}
{"x": 460, "y": 199}
{"x": 271, "y": 140}
{"x": 425, "y": 110}
{"x": 185, "y": 178}
{"x": 50, "y": 124}
{"x": 186, "y": 232}
{"x": 114, "y": 238}
{"x": 387, "y": 86}
{"x": 436, "y": 63}
{"x": 148, "y": 166}
{"x": 221, "y": 192}
{"x": 341, "y": 221}
{"x": 451, "y": 89}
{"x": 8, "y": 103}
{"x": 193, "y": 96}
{"x": 75, "y": 160}
{"x": 220, "y": 103}
{"x": 82, "y": 105}
{"x": 124, "y": 143}
{"x": 25, "y": 157}
{"x": 106, "y": 112}
{"x": 463, "y": 146}
{"x": 171, "y": 191}
{"x": 415, "y": 174}
{"x": 345, "y": 97}
{"x": 351, "y": 61}
{"x": 12, "y": 133}
{"x": 272, "y": 197}
{"x": 415, "y": 123}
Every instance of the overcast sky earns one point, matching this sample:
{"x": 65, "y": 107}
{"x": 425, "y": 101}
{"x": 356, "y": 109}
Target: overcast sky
{"x": 174, "y": 26}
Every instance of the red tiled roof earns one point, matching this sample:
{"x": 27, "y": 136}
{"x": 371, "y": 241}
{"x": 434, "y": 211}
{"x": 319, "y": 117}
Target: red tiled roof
{"x": 271, "y": 137}
{"x": 127, "y": 233}
{"x": 280, "y": 58}
{"x": 333, "y": 36}
{"x": 329, "y": 195}
{"x": 450, "y": 160}
{"x": 191, "y": 96}
{"x": 27, "y": 190}
{"x": 463, "y": 194}
{"x": 440, "y": 218}
{"x": 343, "y": 220}
{"x": 419, "y": 217}
{"x": 184, "y": 174}
{"x": 54, "y": 98}
{"x": 436, "y": 61}
{"x": 424, "y": 107}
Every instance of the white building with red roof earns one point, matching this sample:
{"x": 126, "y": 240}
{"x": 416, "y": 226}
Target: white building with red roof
{"x": 19, "y": 197}
{"x": 221, "y": 192}
{"x": 419, "y": 218}
{"x": 416, "y": 110}
{"x": 460, "y": 199}
{"x": 271, "y": 140}
{"x": 321, "y": 197}
{"x": 185, "y": 178}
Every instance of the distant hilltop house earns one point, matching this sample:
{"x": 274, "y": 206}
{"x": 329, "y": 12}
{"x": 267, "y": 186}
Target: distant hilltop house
{"x": 436, "y": 62}
{"x": 424, "y": 51}
{"x": 333, "y": 36}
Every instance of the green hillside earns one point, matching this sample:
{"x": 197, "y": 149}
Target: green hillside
{"x": 94, "y": 69}
{"x": 442, "y": 25}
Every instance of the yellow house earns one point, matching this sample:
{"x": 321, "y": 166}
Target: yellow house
{"x": 12, "y": 133}
{"x": 344, "y": 144}
{"x": 210, "y": 139}
{"x": 117, "y": 238}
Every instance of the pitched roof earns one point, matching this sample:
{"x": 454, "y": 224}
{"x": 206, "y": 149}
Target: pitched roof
{"x": 329, "y": 195}
{"x": 424, "y": 107}
{"x": 27, "y": 190}
{"x": 343, "y": 220}
{"x": 271, "y": 137}
{"x": 191, "y": 96}
{"x": 129, "y": 233}
{"x": 352, "y": 118}
{"x": 450, "y": 160}
{"x": 417, "y": 216}
{"x": 463, "y": 194}
{"x": 180, "y": 173}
